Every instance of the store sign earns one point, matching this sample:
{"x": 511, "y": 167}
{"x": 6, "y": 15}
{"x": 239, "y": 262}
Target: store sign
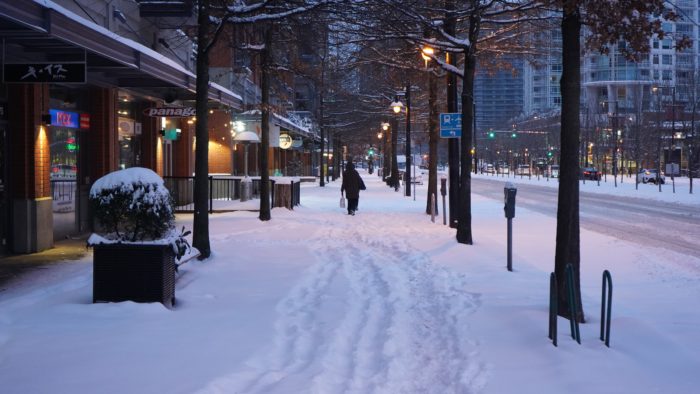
{"x": 285, "y": 141}
{"x": 297, "y": 143}
{"x": 170, "y": 112}
{"x": 44, "y": 73}
{"x": 64, "y": 119}
{"x": 84, "y": 121}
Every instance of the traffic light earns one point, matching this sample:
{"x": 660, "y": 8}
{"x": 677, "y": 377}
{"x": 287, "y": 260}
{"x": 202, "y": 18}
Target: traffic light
{"x": 513, "y": 135}
{"x": 549, "y": 153}
{"x": 492, "y": 134}
{"x": 370, "y": 151}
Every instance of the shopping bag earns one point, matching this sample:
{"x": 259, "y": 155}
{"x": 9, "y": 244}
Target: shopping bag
{"x": 342, "y": 202}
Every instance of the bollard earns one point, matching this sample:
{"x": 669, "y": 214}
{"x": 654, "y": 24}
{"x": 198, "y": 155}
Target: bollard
{"x": 605, "y": 318}
{"x": 509, "y": 192}
{"x": 573, "y": 322}
{"x": 553, "y": 306}
{"x": 432, "y": 207}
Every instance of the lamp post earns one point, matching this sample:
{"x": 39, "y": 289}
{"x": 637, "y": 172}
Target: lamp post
{"x": 386, "y": 162}
{"x": 408, "y": 138}
{"x": 396, "y": 105}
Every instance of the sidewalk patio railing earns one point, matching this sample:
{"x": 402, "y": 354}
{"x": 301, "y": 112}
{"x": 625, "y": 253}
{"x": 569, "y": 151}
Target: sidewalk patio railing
{"x": 222, "y": 189}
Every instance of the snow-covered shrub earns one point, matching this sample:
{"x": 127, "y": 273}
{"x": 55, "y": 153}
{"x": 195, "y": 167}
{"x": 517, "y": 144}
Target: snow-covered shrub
{"x": 132, "y": 205}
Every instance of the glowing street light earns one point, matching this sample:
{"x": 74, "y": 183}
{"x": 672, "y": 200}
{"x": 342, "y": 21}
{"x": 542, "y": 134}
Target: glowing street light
{"x": 397, "y": 106}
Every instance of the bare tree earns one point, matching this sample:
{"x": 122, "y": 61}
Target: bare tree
{"x": 213, "y": 17}
{"x": 602, "y": 18}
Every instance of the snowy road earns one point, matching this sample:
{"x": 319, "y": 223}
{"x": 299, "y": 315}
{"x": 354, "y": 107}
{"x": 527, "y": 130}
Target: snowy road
{"x": 398, "y": 322}
{"x": 645, "y": 222}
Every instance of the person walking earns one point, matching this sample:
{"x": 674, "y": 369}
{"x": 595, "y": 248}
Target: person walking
{"x": 352, "y": 184}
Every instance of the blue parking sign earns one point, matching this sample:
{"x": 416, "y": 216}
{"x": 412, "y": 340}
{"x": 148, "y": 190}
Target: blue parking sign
{"x": 450, "y": 125}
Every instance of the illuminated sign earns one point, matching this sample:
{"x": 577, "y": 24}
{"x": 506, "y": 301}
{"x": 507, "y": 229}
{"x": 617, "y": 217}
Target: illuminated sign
{"x": 171, "y": 134}
{"x": 64, "y": 119}
{"x": 170, "y": 112}
{"x": 285, "y": 141}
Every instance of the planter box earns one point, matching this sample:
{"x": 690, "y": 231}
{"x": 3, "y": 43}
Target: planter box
{"x": 129, "y": 272}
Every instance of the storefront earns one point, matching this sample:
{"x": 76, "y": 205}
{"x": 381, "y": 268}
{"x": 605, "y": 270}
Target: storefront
{"x": 77, "y": 113}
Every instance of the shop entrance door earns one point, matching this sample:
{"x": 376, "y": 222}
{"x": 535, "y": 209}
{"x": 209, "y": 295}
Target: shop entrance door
{"x": 4, "y": 198}
{"x": 64, "y": 190}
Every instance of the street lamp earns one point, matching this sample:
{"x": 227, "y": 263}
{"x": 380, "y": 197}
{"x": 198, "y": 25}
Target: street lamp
{"x": 386, "y": 162}
{"x": 396, "y": 106}
{"x": 427, "y": 54}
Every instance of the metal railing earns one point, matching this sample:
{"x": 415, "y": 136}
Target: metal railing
{"x": 222, "y": 189}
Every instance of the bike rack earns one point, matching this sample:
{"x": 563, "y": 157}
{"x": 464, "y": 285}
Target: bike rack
{"x": 605, "y": 317}
{"x": 553, "y": 306}
{"x": 575, "y": 334}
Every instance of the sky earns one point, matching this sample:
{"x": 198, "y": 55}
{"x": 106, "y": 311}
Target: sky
{"x": 386, "y": 301}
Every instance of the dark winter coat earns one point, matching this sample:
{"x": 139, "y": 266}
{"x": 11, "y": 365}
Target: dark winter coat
{"x": 352, "y": 183}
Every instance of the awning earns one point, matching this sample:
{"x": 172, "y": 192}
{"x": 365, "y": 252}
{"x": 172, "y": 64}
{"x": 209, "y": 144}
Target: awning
{"x": 41, "y": 30}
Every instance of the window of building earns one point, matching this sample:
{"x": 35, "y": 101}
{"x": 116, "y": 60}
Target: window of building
{"x": 655, "y": 59}
{"x": 656, "y": 74}
{"x": 667, "y": 59}
{"x": 667, "y": 43}
{"x": 556, "y": 67}
{"x": 655, "y": 44}
{"x": 666, "y": 75}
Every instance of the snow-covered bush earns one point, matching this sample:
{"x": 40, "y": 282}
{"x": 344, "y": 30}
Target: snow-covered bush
{"x": 132, "y": 205}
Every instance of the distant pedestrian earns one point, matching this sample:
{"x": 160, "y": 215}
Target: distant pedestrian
{"x": 352, "y": 184}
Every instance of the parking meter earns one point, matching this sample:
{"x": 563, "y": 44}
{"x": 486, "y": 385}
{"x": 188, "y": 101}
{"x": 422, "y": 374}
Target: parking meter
{"x": 443, "y": 192}
{"x": 509, "y": 200}
{"x": 509, "y": 208}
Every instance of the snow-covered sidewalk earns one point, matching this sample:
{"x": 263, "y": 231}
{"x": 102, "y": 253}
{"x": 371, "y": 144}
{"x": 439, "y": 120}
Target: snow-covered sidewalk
{"x": 316, "y": 301}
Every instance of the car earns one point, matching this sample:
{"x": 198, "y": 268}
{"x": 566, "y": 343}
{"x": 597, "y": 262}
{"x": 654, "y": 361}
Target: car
{"x": 553, "y": 171}
{"x": 650, "y": 175}
{"x": 488, "y": 168}
{"x": 502, "y": 168}
{"x": 590, "y": 173}
{"x": 523, "y": 169}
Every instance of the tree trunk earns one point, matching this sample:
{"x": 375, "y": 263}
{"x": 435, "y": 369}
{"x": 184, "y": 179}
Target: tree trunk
{"x": 200, "y": 228}
{"x": 464, "y": 221}
{"x": 453, "y": 152}
{"x": 265, "y": 127}
{"x": 567, "y": 241}
{"x": 433, "y": 139}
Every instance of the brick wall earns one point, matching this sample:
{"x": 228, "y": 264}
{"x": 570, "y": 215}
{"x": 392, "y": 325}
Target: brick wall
{"x": 29, "y": 159}
{"x": 103, "y": 144}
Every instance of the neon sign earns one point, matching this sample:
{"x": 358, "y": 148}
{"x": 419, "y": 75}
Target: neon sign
{"x": 64, "y": 119}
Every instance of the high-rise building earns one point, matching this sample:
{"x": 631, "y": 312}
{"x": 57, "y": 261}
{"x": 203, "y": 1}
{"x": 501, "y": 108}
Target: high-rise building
{"x": 498, "y": 96}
